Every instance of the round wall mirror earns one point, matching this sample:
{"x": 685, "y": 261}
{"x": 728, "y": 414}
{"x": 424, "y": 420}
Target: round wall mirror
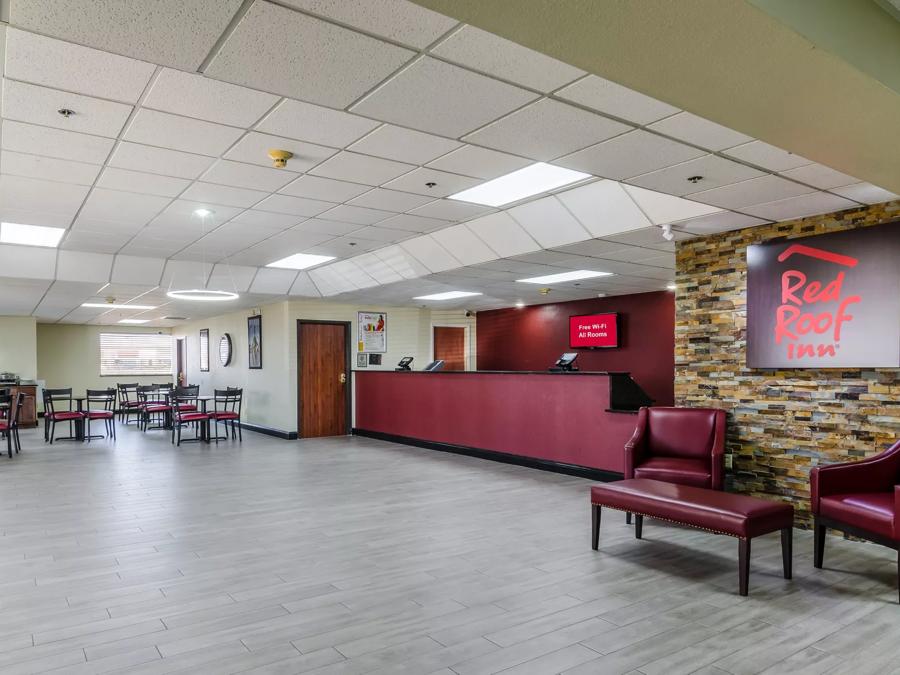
{"x": 225, "y": 349}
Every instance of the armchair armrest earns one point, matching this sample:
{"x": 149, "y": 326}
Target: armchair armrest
{"x": 897, "y": 512}
{"x": 635, "y": 448}
{"x": 718, "y": 452}
{"x": 874, "y": 474}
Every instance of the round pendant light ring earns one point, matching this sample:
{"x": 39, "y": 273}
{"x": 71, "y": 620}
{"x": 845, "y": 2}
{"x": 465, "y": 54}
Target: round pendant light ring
{"x": 203, "y": 295}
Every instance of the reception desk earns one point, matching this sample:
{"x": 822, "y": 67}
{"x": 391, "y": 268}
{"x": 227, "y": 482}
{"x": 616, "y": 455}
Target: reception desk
{"x": 576, "y": 422}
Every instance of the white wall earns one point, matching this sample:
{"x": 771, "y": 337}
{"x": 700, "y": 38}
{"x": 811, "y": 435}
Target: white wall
{"x": 18, "y": 346}
{"x": 270, "y": 394}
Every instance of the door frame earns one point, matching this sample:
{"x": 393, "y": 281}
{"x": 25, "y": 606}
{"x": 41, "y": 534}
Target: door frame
{"x": 347, "y": 391}
{"x": 467, "y": 336}
{"x": 181, "y": 355}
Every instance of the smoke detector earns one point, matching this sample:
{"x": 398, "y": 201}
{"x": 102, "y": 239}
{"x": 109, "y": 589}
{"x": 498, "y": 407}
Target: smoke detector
{"x": 280, "y": 157}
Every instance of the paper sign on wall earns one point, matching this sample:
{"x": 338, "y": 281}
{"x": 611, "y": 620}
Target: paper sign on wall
{"x": 372, "y": 332}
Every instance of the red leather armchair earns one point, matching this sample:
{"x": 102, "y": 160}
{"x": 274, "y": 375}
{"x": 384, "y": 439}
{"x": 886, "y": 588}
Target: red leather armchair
{"x": 860, "y": 498}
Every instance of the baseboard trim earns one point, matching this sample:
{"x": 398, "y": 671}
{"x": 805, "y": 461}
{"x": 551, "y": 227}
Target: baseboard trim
{"x": 269, "y": 431}
{"x": 531, "y": 462}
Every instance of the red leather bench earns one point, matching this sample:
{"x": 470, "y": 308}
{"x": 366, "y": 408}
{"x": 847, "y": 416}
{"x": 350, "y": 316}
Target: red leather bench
{"x": 711, "y": 510}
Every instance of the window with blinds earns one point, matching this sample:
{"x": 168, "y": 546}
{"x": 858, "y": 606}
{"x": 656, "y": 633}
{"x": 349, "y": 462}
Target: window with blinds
{"x": 135, "y": 354}
{"x": 204, "y": 350}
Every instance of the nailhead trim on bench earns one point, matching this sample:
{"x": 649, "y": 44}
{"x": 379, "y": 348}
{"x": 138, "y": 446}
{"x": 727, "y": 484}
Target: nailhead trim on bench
{"x": 669, "y": 520}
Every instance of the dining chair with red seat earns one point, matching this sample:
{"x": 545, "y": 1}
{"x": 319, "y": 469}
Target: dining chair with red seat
{"x": 860, "y": 498}
{"x": 153, "y": 403}
{"x": 10, "y": 408}
{"x": 128, "y": 402}
{"x": 58, "y": 407}
{"x": 678, "y": 445}
{"x": 101, "y": 404}
{"x": 185, "y": 411}
{"x": 227, "y": 409}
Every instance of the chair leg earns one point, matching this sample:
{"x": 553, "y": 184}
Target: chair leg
{"x": 898, "y": 575}
{"x": 240, "y": 432}
{"x": 628, "y": 517}
{"x": 818, "y": 544}
{"x": 9, "y": 438}
{"x": 743, "y": 566}
{"x": 638, "y": 526}
{"x": 595, "y": 526}
{"x": 787, "y": 551}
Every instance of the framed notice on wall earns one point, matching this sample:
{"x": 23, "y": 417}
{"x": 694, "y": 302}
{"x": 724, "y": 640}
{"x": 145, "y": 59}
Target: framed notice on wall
{"x": 828, "y": 301}
{"x": 372, "y": 332}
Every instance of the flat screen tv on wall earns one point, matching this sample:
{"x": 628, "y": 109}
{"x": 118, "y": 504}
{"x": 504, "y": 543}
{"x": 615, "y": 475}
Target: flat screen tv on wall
{"x": 594, "y": 331}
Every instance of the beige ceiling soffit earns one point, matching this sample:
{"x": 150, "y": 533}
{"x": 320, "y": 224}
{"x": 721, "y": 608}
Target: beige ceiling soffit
{"x": 724, "y": 60}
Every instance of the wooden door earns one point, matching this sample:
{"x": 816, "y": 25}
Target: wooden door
{"x": 450, "y": 346}
{"x": 323, "y": 379}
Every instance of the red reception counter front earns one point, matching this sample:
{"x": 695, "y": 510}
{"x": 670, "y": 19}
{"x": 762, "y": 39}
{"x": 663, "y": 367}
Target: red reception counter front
{"x": 560, "y": 418}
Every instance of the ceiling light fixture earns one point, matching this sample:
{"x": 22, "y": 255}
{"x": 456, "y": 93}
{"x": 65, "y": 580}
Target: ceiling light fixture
{"x": 300, "y": 261}
{"x": 203, "y": 213}
{"x": 564, "y": 276}
{"x": 671, "y": 287}
{"x": 31, "y": 235}
{"x": 447, "y": 295}
{"x": 134, "y": 321}
{"x": 114, "y": 305}
{"x": 203, "y": 295}
{"x": 520, "y": 184}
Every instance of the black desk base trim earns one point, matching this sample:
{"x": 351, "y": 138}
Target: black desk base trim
{"x": 269, "y": 431}
{"x": 531, "y": 462}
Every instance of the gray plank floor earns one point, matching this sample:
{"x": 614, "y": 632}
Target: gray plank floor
{"x": 352, "y": 556}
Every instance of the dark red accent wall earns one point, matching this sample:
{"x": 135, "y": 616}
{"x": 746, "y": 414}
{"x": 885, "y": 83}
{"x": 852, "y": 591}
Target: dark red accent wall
{"x": 532, "y": 338}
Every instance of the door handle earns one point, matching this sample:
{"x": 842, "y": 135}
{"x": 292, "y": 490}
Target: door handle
{"x": 343, "y": 378}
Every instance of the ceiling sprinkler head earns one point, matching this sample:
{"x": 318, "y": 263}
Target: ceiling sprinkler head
{"x": 544, "y": 291}
{"x": 430, "y": 184}
{"x": 280, "y": 157}
{"x": 694, "y": 179}
{"x": 667, "y": 233}
{"x": 66, "y": 112}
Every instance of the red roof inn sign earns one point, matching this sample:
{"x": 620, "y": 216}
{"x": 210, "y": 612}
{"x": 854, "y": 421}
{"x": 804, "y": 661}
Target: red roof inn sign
{"x": 828, "y": 301}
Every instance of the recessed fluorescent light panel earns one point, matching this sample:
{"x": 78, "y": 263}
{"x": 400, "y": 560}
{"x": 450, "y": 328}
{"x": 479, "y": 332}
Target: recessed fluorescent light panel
{"x": 301, "y": 261}
{"x": 520, "y": 184}
{"x": 134, "y": 321}
{"x": 30, "y": 235}
{"x": 449, "y": 295}
{"x": 565, "y": 276}
{"x": 114, "y": 305}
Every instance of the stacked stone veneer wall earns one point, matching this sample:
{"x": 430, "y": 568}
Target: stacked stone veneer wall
{"x": 781, "y": 422}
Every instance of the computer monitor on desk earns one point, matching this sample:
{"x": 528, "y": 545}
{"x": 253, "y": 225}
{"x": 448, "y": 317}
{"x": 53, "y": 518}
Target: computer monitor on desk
{"x": 404, "y": 364}
{"x": 565, "y": 363}
{"x": 434, "y": 366}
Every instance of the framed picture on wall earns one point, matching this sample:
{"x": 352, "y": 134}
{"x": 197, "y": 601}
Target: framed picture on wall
{"x": 361, "y": 361}
{"x": 372, "y": 332}
{"x": 254, "y": 342}
{"x": 204, "y": 350}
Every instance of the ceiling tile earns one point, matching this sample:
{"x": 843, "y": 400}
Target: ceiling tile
{"x": 663, "y": 208}
{"x": 452, "y": 210}
{"x": 235, "y": 278}
{"x": 404, "y": 145}
{"x": 125, "y": 207}
{"x": 724, "y": 221}
{"x": 389, "y": 200}
{"x": 688, "y": 127}
{"x": 631, "y": 154}
{"x": 431, "y": 254}
{"x": 503, "y": 234}
{"x": 48, "y": 168}
{"x": 304, "y": 286}
{"x": 27, "y": 262}
{"x": 180, "y": 215}
{"x": 30, "y": 194}
{"x": 253, "y": 219}
{"x": 162, "y": 161}
{"x": 649, "y": 237}
{"x": 330, "y": 227}
{"x": 355, "y": 214}
{"x": 820, "y": 176}
{"x": 350, "y": 166}
{"x": 546, "y": 130}
{"x": 296, "y": 206}
{"x": 382, "y": 234}
{"x": 275, "y": 281}
{"x": 398, "y": 20}
{"x": 180, "y": 133}
{"x": 45, "y": 142}
{"x": 376, "y": 268}
{"x": 614, "y": 99}
{"x": 82, "y": 266}
{"x": 767, "y": 156}
{"x": 866, "y": 193}
{"x": 443, "y": 99}
{"x": 136, "y": 181}
{"x": 135, "y": 270}
{"x": 282, "y": 51}
{"x": 325, "y": 189}
{"x": 548, "y": 221}
{"x": 414, "y": 223}
{"x": 63, "y": 65}
{"x": 754, "y": 191}
{"x": 87, "y": 227}
{"x": 714, "y": 172}
{"x": 254, "y": 149}
{"x": 446, "y": 183}
{"x": 315, "y": 124}
{"x": 39, "y": 105}
{"x": 798, "y": 207}
{"x": 470, "y": 160}
{"x": 603, "y": 208}
{"x": 463, "y": 245}
{"x": 238, "y": 174}
{"x": 223, "y": 194}
{"x": 182, "y": 40}
{"x": 193, "y": 95}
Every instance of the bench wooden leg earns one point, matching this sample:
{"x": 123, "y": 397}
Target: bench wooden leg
{"x": 628, "y": 517}
{"x": 787, "y": 551}
{"x": 743, "y": 566}
{"x": 638, "y": 526}
{"x": 818, "y": 544}
{"x": 595, "y": 526}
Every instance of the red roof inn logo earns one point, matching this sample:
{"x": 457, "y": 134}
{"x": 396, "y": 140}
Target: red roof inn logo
{"x": 830, "y": 301}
